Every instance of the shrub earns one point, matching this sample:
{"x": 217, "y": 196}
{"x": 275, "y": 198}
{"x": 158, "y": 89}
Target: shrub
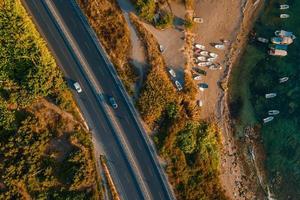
{"x": 146, "y": 9}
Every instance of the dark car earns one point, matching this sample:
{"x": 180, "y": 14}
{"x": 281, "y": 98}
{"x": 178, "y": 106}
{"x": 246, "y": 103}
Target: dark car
{"x": 113, "y": 102}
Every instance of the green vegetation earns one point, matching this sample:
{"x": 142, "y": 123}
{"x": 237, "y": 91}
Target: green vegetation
{"x": 158, "y": 90}
{"x": 146, "y": 9}
{"x": 108, "y": 22}
{"x": 191, "y": 150}
{"x": 151, "y": 12}
{"x": 190, "y": 147}
{"x": 45, "y": 153}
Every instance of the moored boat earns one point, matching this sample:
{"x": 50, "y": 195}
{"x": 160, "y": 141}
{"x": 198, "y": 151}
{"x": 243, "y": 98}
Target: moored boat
{"x": 263, "y": 40}
{"x": 204, "y": 64}
{"x": 283, "y": 79}
{"x": 204, "y": 53}
{"x": 214, "y": 55}
{"x": 268, "y": 119}
{"x": 200, "y": 46}
{"x": 220, "y": 46}
{"x": 270, "y": 95}
{"x": 277, "y": 52}
{"x": 197, "y": 77}
{"x": 213, "y": 67}
{"x": 284, "y": 16}
{"x": 284, "y": 7}
{"x": 273, "y": 112}
{"x": 211, "y": 59}
{"x": 282, "y": 40}
{"x": 283, "y": 33}
{"x": 201, "y": 58}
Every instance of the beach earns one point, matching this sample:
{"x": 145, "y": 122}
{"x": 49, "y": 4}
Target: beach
{"x": 233, "y": 22}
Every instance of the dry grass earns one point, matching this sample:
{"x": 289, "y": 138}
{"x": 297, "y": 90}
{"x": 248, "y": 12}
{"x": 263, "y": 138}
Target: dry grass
{"x": 158, "y": 90}
{"x": 107, "y": 20}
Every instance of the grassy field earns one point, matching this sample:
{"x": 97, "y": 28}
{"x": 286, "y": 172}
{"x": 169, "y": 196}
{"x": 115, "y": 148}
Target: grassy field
{"x": 45, "y": 151}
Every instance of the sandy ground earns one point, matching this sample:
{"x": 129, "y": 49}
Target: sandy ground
{"x": 172, "y": 41}
{"x": 221, "y": 21}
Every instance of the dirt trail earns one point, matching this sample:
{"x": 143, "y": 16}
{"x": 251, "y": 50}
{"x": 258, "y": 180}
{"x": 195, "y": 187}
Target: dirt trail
{"x": 138, "y": 57}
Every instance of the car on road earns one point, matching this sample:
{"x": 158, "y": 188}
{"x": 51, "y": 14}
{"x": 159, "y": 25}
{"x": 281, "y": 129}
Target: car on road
{"x": 178, "y": 85}
{"x": 77, "y": 87}
{"x": 113, "y": 102}
{"x": 203, "y": 86}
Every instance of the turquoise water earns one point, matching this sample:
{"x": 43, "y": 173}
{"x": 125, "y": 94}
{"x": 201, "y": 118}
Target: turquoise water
{"x": 258, "y": 74}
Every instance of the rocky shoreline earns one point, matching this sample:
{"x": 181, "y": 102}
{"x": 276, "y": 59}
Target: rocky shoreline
{"x": 241, "y": 177}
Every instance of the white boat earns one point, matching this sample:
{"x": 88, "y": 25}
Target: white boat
{"x": 204, "y": 53}
{"x": 201, "y": 58}
{"x": 199, "y": 46}
{"x": 283, "y": 79}
{"x": 213, "y": 67}
{"x": 284, "y": 16}
{"x": 282, "y": 40}
{"x": 220, "y": 46}
{"x": 284, "y": 7}
{"x": 277, "y": 52}
{"x": 283, "y": 33}
{"x": 270, "y": 95}
{"x": 204, "y": 64}
{"x": 200, "y": 103}
{"x": 211, "y": 59}
{"x": 197, "y": 78}
{"x": 268, "y": 119}
{"x": 273, "y": 112}
{"x": 263, "y": 40}
{"x": 214, "y": 55}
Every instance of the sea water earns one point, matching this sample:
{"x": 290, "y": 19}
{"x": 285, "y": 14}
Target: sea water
{"x": 259, "y": 74}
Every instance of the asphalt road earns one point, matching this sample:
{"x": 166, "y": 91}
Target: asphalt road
{"x": 131, "y": 160}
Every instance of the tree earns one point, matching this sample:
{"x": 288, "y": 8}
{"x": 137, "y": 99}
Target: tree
{"x": 146, "y": 9}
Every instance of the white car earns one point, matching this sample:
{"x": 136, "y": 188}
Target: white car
{"x": 172, "y": 73}
{"x": 161, "y": 48}
{"x": 178, "y": 85}
{"x": 77, "y": 87}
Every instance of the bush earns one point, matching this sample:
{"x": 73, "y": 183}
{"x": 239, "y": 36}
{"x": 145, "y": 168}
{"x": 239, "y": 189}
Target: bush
{"x": 165, "y": 20}
{"x": 146, "y": 9}
{"x": 158, "y": 90}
